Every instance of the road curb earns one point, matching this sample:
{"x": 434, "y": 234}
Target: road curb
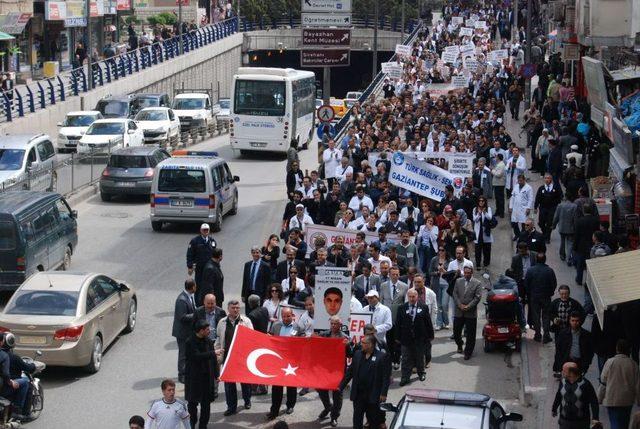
{"x": 526, "y": 390}
{"x": 82, "y": 194}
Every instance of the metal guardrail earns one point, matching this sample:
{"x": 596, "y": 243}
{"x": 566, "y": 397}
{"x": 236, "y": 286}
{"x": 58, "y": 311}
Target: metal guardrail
{"x": 25, "y": 99}
{"x": 384, "y": 23}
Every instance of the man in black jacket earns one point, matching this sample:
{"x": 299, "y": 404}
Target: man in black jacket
{"x": 182, "y": 329}
{"x": 555, "y": 162}
{"x": 199, "y": 252}
{"x": 282, "y": 270}
{"x": 413, "y": 331}
{"x": 258, "y": 315}
{"x": 212, "y": 279}
{"x": 256, "y": 276}
{"x": 568, "y": 351}
{"x": 370, "y": 385}
{"x": 577, "y": 401}
{"x": 561, "y": 308}
{"x": 540, "y": 285}
{"x": 585, "y": 226}
{"x": 200, "y": 374}
{"x": 534, "y": 239}
{"x": 547, "y": 199}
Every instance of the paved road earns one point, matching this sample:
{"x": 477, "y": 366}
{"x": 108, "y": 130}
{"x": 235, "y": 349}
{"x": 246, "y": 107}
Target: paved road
{"x": 116, "y": 238}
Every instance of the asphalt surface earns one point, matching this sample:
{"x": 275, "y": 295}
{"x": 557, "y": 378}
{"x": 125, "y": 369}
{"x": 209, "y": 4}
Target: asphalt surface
{"x": 116, "y": 238}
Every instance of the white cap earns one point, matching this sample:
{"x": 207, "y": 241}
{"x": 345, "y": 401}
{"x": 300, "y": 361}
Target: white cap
{"x": 204, "y": 226}
{"x": 372, "y": 293}
{"x": 574, "y": 147}
{"x": 299, "y": 206}
{"x": 468, "y": 264}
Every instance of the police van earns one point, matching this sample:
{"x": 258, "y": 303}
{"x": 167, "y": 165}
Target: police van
{"x": 193, "y": 187}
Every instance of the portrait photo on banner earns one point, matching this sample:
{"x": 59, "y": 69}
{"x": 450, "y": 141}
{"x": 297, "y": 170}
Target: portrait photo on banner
{"x": 332, "y": 296}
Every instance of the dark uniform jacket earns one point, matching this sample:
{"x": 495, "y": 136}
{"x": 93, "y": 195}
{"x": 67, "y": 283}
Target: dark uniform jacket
{"x": 212, "y": 282}
{"x": 409, "y": 331}
{"x": 378, "y": 375}
{"x": 200, "y": 368}
{"x": 182, "y": 317}
{"x": 199, "y": 251}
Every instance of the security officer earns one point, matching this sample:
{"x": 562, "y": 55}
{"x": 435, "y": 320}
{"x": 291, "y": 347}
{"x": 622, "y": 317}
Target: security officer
{"x": 199, "y": 252}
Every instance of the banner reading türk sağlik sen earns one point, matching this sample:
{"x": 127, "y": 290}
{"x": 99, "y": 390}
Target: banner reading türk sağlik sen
{"x": 419, "y": 176}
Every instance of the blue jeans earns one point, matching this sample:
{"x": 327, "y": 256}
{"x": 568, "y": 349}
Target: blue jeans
{"x": 619, "y": 417}
{"x": 442, "y": 298}
{"x": 21, "y": 393}
{"x": 231, "y": 394}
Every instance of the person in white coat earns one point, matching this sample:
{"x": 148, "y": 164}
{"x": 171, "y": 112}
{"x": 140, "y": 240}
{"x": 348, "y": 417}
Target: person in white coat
{"x": 516, "y": 165}
{"x": 482, "y": 215}
{"x": 520, "y": 204}
{"x": 331, "y": 158}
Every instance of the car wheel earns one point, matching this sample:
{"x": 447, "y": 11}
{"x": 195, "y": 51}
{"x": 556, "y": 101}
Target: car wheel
{"x": 66, "y": 262}
{"x": 131, "y": 316}
{"x": 105, "y": 197}
{"x": 234, "y": 208}
{"x": 96, "y": 356}
{"x": 488, "y": 346}
{"x": 156, "y": 225}
{"x": 217, "y": 226}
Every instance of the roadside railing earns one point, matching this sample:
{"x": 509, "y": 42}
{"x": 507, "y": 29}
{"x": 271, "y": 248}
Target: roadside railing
{"x": 384, "y": 23}
{"x": 26, "y": 99}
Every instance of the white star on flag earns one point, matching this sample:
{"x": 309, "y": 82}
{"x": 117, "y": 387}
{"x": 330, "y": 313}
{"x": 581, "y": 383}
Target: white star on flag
{"x": 290, "y": 370}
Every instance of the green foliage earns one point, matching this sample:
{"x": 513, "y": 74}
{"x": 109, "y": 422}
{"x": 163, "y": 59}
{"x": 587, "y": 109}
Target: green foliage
{"x": 169, "y": 18}
{"x": 132, "y": 19}
{"x": 156, "y": 20}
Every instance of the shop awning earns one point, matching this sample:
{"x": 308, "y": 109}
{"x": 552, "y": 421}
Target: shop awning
{"x": 613, "y": 280}
{"x": 14, "y": 22}
{"x": 5, "y": 36}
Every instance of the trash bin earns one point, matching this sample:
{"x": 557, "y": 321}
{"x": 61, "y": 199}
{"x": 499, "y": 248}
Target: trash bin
{"x": 50, "y": 69}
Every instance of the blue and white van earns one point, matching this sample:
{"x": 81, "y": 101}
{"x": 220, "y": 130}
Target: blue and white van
{"x": 193, "y": 187}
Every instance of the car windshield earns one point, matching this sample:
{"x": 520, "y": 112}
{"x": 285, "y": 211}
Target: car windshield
{"x": 11, "y": 159}
{"x": 188, "y": 104}
{"x": 79, "y": 120}
{"x": 142, "y": 102}
{"x": 174, "y": 180}
{"x": 106, "y": 128}
{"x": 224, "y": 103}
{"x": 7, "y": 236}
{"x": 113, "y": 108}
{"x": 152, "y": 115}
{"x": 43, "y": 303}
{"x": 128, "y": 161}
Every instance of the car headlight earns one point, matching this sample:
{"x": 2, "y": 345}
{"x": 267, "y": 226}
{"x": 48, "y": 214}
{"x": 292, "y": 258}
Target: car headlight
{"x": 160, "y": 130}
{"x": 62, "y": 138}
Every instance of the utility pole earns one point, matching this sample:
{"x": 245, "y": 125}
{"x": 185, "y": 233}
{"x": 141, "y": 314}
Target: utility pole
{"x": 326, "y": 85}
{"x": 376, "y": 20}
{"x": 180, "y": 26}
{"x": 514, "y": 29}
{"x": 89, "y": 48}
{"x": 402, "y": 23}
{"x": 527, "y": 56}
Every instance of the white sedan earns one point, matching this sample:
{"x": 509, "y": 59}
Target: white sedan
{"x": 158, "y": 124}
{"x": 73, "y": 127}
{"x": 105, "y": 135}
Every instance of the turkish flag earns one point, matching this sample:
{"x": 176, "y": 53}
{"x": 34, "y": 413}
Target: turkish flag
{"x": 257, "y": 358}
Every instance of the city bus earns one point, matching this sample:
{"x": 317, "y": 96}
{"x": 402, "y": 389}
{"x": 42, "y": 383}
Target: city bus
{"x": 270, "y": 107}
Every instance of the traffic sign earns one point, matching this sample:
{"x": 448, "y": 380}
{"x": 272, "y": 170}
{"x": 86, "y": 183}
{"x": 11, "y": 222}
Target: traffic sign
{"x": 320, "y": 130}
{"x": 326, "y": 37}
{"x": 325, "y": 57}
{"x": 326, "y": 5}
{"x": 326, "y": 113}
{"x": 326, "y": 20}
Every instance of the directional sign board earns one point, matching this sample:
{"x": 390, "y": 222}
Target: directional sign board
{"x": 326, "y": 113}
{"x": 326, "y": 5}
{"x": 326, "y": 37}
{"x": 326, "y": 20}
{"x": 325, "y": 57}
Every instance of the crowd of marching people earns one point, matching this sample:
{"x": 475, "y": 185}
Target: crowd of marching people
{"x": 419, "y": 275}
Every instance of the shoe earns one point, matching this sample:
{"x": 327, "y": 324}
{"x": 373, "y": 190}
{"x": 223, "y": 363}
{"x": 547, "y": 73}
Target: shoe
{"x": 467, "y": 357}
{"x": 229, "y": 412}
{"x": 289, "y": 411}
{"x": 460, "y": 350}
{"x": 247, "y": 405}
{"x": 438, "y": 328}
{"x": 427, "y": 365}
{"x": 404, "y": 382}
{"x": 446, "y": 326}
{"x": 396, "y": 366}
{"x": 334, "y": 423}
{"x": 422, "y": 377}
{"x": 537, "y": 338}
{"x": 324, "y": 414}
{"x": 271, "y": 416}
{"x": 303, "y": 391}
{"x": 546, "y": 340}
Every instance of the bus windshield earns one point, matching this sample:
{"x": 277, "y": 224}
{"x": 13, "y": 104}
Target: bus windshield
{"x": 259, "y": 98}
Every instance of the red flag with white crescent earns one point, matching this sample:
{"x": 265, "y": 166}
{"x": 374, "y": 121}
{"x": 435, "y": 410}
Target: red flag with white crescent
{"x": 257, "y": 358}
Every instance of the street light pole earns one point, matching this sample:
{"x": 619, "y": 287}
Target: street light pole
{"x": 88, "y": 48}
{"x": 180, "y": 26}
{"x": 376, "y": 14}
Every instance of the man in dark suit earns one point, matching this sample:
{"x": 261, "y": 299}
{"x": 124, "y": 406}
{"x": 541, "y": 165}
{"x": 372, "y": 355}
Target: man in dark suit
{"x": 258, "y": 315}
{"x": 365, "y": 282}
{"x": 520, "y": 263}
{"x": 582, "y": 353}
{"x": 212, "y": 279}
{"x": 256, "y": 277}
{"x": 199, "y": 252}
{"x": 200, "y": 374}
{"x": 585, "y": 226}
{"x": 183, "y": 322}
{"x": 548, "y": 197}
{"x": 466, "y": 297}
{"x": 212, "y": 314}
{"x": 369, "y": 371}
{"x": 413, "y": 331}
{"x": 540, "y": 285}
{"x": 534, "y": 239}
{"x": 282, "y": 270}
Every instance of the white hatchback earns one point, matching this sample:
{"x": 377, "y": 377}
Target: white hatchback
{"x": 73, "y": 127}
{"x": 105, "y": 135}
{"x": 158, "y": 124}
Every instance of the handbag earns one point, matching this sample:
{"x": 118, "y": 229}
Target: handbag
{"x": 489, "y": 224}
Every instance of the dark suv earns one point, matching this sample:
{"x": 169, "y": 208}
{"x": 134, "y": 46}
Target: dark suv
{"x": 140, "y": 101}
{"x": 116, "y": 107}
{"x": 130, "y": 171}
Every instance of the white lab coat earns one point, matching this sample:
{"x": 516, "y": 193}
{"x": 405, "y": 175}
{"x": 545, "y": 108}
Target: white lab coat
{"x": 480, "y": 217}
{"x": 331, "y": 159}
{"x": 514, "y": 171}
{"x": 521, "y": 200}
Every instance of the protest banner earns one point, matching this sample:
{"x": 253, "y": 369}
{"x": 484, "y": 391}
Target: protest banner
{"x": 332, "y": 293}
{"x": 471, "y": 64}
{"x": 403, "y": 50}
{"x": 330, "y": 233}
{"x": 498, "y": 54}
{"x": 460, "y": 81}
{"x": 449, "y": 57}
{"x": 457, "y": 20}
{"x": 480, "y": 24}
{"x": 453, "y": 48}
{"x": 357, "y": 322}
{"x": 466, "y": 31}
{"x": 392, "y": 69}
{"x": 458, "y": 164}
{"x": 470, "y": 22}
{"x": 419, "y": 176}
{"x": 469, "y": 47}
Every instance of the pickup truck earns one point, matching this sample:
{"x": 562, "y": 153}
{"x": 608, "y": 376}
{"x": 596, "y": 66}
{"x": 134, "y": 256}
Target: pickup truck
{"x": 196, "y": 111}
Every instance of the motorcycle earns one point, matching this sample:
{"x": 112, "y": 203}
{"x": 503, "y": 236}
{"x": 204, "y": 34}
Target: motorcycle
{"x": 36, "y": 396}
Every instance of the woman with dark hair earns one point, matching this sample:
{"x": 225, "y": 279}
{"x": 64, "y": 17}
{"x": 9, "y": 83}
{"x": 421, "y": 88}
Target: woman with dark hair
{"x": 274, "y": 298}
{"x": 481, "y": 218}
{"x": 454, "y": 237}
{"x": 437, "y": 267}
{"x": 270, "y": 253}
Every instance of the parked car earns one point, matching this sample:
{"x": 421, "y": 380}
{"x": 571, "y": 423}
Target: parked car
{"x": 159, "y": 124}
{"x": 71, "y": 317}
{"x": 351, "y": 98}
{"x": 38, "y": 231}
{"x": 142, "y": 101}
{"x": 26, "y": 162}
{"x": 73, "y": 127}
{"x": 431, "y": 408}
{"x": 130, "y": 171}
{"x": 117, "y": 107}
{"x": 224, "y": 108}
{"x": 105, "y": 135}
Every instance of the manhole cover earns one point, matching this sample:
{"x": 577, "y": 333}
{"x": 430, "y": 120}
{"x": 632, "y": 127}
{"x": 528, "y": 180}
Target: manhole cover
{"x": 116, "y": 215}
